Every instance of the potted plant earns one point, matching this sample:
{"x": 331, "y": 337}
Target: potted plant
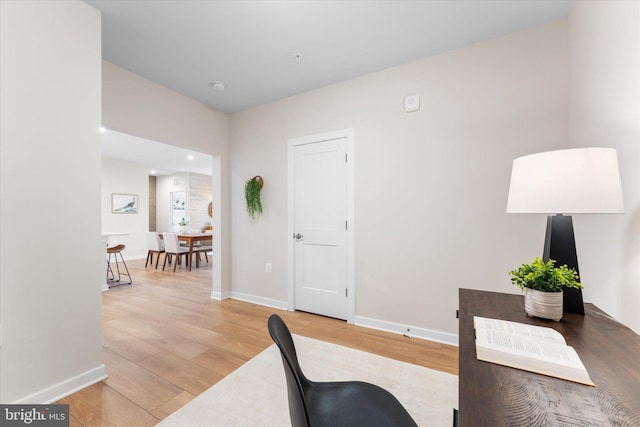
{"x": 542, "y": 284}
{"x": 252, "y": 193}
{"x": 184, "y": 225}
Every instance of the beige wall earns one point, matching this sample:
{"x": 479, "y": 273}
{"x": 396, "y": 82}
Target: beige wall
{"x": 140, "y": 107}
{"x": 51, "y": 256}
{"x": 430, "y": 186}
{"x": 605, "y": 111}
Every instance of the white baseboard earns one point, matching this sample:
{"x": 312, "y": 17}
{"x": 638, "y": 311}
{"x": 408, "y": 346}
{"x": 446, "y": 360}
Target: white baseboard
{"x": 65, "y": 388}
{"x": 220, "y": 296}
{"x": 268, "y": 302}
{"x": 135, "y": 256}
{"x": 411, "y": 331}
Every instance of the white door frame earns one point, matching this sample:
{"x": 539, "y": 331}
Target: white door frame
{"x": 292, "y": 143}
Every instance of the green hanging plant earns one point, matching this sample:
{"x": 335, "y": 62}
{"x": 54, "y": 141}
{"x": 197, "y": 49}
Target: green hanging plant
{"x": 252, "y": 193}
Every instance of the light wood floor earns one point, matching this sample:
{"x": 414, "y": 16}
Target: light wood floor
{"x": 165, "y": 341}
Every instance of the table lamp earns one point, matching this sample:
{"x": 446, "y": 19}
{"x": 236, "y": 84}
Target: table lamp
{"x": 574, "y": 181}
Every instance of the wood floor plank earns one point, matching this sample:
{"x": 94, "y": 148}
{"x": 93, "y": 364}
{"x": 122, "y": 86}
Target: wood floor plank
{"x": 188, "y": 375}
{"x": 205, "y": 336}
{"x": 219, "y": 362}
{"x": 101, "y": 406}
{"x": 158, "y": 335}
{"x": 143, "y": 387}
{"x": 125, "y": 344}
{"x": 173, "y": 405}
{"x": 165, "y": 341}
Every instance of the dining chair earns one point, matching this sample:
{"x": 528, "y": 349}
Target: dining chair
{"x": 172, "y": 247}
{"x": 154, "y": 245}
{"x": 208, "y": 244}
{"x": 204, "y": 247}
{"x": 346, "y": 403}
{"x": 115, "y": 251}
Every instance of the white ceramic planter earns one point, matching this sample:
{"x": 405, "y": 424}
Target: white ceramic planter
{"x": 546, "y": 305}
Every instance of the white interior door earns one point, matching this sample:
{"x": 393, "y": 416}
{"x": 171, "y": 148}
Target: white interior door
{"x": 320, "y": 221}
{"x": 178, "y": 209}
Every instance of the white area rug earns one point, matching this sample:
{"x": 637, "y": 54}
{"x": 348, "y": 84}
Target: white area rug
{"x": 256, "y": 393}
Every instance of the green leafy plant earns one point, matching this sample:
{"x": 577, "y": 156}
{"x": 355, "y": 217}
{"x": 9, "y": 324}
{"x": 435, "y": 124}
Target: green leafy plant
{"x": 545, "y": 277}
{"x": 252, "y": 193}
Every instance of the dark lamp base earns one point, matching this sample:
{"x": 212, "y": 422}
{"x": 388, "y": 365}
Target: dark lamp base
{"x": 560, "y": 245}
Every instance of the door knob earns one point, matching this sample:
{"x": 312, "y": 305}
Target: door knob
{"x": 298, "y": 236}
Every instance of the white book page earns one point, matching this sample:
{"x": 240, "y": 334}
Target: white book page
{"x": 506, "y": 326}
{"x": 521, "y": 345}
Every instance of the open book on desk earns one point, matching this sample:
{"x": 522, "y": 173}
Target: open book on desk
{"x": 530, "y": 348}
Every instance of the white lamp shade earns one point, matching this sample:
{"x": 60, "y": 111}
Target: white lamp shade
{"x": 581, "y": 180}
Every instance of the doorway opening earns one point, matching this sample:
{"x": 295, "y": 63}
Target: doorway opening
{"x": 132, "y": 164}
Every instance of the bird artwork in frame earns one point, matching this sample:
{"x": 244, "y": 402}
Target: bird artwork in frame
{"x": 124, "y": 203}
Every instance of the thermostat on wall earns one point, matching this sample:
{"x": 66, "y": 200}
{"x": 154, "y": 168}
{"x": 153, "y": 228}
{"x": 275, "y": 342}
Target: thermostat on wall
{"x": 411, "y": 103}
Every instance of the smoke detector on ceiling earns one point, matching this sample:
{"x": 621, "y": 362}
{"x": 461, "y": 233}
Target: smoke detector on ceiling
{"x": 218, "y": 86}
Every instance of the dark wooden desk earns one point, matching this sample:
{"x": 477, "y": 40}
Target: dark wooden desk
{"x": 494, "y": 395}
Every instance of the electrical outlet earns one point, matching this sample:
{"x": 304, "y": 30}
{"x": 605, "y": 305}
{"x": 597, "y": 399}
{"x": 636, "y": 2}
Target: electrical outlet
{"x": 268, "y": 267}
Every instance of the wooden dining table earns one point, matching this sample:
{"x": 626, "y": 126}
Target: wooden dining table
{"x": 190, "y": 239}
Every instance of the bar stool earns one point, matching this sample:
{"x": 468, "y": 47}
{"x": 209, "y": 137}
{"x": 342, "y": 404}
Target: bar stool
{"x": 117, "y": 250}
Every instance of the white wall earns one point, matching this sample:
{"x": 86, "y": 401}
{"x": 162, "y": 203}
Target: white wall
{"x": 51, "y": 257}
{"x": 431, "y": 186}
{"x": 605, "y": 112}
{"x": 123, "y": 177}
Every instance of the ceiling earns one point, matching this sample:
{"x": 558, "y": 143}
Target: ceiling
{"x": 252, "y": 46}
{"x": 159, "y": 159}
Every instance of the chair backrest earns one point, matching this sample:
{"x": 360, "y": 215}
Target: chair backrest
{"x": 171, "y": 244}
{"x": 296, "y": 381}
{"x": 153, "y": 242}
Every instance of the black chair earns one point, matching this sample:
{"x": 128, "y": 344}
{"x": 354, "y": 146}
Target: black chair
{"x": 335, "y": 404}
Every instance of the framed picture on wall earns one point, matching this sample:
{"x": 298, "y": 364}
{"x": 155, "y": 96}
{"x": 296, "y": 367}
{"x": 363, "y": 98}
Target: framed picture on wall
{"x": 124, "y": 203}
